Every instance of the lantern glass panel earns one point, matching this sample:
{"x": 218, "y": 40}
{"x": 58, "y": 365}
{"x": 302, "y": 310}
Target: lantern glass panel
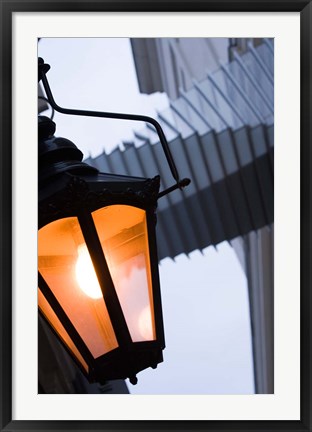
{"x": 51, "y": 316}
{"x": 65, "y": 264}
{"x": 122, "y": 230}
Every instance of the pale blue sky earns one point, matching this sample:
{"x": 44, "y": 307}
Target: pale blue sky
{"x": 204, "y": 297}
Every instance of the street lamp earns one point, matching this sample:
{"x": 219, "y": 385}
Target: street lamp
{"x": 98, "y": 282}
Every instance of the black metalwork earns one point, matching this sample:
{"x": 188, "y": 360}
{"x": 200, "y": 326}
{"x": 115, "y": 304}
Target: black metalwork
{"x": 43, "y": 68}
{"x": 68, "y": 187}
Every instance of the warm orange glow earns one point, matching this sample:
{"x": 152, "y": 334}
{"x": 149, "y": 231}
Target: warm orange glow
{"x": 85, "y": 274}
{"x": 65, "y": 264}
{"x": 123, "y": 234}
{"x": 58, "y": 252}
{"x": 58, "y": 327}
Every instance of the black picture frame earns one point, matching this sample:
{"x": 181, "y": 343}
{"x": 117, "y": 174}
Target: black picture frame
{"x": 7, "y": 8}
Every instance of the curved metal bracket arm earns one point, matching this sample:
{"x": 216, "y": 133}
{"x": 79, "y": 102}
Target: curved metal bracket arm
{"x": 42, "y": 71}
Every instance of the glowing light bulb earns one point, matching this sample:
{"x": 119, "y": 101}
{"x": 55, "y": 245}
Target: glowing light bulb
{"x": 85, "y": 274}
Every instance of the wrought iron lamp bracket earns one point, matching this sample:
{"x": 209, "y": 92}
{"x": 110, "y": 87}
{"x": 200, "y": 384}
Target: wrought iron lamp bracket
{"x": 43, "y": 68}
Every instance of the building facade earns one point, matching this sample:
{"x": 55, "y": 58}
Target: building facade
{"x": 226, "y": 87}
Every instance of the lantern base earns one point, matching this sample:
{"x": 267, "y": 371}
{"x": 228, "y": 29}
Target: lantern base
{"x": 113, "y": 366}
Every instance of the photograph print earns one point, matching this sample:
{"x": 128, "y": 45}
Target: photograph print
{"x": 156, "y": 216}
